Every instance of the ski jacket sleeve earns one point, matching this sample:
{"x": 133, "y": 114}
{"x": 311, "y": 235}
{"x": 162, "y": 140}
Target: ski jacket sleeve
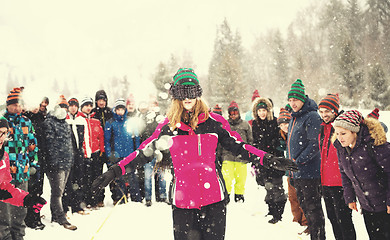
{"x": 5, "y": 184}
{"x": 230, "y": 141}
{"x": 138, "y": 157}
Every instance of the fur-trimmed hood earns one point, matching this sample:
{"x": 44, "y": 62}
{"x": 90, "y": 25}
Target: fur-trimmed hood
{"x": 375, "y": 129}
{"x": 270, "y": 113}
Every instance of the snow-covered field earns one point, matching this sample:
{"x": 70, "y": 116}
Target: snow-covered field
{"x": 135, "y": 220}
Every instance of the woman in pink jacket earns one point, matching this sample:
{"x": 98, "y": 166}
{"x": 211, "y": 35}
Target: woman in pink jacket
{"x": 8, "y": 192}
{"x": 186, "y": 141}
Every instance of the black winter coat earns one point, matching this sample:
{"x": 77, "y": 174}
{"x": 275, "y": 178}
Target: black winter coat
{"x": 58, "y": 144}
{"x": 266, "y": 137}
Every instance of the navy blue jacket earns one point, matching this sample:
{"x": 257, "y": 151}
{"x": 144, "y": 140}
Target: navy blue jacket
{"x": 302, "y": 143}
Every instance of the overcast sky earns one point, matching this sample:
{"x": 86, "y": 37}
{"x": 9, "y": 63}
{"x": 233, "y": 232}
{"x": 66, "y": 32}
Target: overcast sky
{"x": 83, "y": 40}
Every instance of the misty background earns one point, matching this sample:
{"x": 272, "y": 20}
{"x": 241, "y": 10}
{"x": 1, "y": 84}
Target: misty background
{"x": 125, "y": 47}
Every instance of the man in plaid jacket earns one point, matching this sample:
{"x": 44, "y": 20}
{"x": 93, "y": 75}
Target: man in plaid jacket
{"x": 22, "y": 151}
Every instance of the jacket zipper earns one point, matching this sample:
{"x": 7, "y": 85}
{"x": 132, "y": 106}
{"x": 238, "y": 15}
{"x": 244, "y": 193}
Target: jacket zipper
{"x": 199, "y": 146}
{"x": 289, "y": 139}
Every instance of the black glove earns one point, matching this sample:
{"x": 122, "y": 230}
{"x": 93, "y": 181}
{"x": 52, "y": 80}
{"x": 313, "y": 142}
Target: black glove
{"x": 34, "y": 201}
{"x": 103, "y": 180}
{"x": 4, "y": 194}
{"x": 279, "y": 163}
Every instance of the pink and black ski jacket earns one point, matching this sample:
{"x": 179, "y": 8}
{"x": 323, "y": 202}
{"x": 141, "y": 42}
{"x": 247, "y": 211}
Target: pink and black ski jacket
{"x": 5, "y": 183}
{"x": 197, "y": 180}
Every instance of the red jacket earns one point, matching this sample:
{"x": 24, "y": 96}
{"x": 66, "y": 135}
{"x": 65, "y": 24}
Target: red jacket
{"x": 5, "y": 183}
{"x": 96, "y": 134}
{"x": 330, "y": 171}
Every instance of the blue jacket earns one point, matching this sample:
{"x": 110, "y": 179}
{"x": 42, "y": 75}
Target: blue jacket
{"x": 120, "y": 136}
{"x": 302, "y": 143}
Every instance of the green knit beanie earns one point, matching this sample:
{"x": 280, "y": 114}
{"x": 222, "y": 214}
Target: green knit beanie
{"x": 297, "y": 91}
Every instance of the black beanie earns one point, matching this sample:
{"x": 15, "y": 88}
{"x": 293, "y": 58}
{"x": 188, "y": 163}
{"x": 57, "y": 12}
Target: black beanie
{"x": 185, "y": 85}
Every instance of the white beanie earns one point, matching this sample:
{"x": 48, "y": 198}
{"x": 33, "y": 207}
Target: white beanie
{"x": 120, "y": 102}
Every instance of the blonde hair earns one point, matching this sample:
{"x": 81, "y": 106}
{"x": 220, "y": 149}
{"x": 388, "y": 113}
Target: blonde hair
{"x": 177, "y": 113}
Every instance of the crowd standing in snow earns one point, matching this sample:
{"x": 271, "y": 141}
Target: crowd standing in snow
{"x": 324, "y": 151}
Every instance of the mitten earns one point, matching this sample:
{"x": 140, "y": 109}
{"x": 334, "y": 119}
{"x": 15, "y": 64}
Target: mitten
{"x": 4, "y": 194}
{"x": 279, "y": 163}
{"x": 103, "y": 180}
{"x": 36, "y": 202}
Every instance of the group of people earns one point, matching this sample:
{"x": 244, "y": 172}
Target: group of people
{"x": 70, "y": 145}
{"x": 326, "y": 153}
{"x": 342, "y": 157}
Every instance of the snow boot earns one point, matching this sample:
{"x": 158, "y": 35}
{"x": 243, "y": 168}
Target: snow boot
{"x": 239, "y": 198}
{"x": 148, "y": 203}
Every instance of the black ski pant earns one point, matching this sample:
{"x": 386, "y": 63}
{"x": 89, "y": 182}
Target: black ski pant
{"x": 206, "y": 223}
{"x": 309, "y": 197}
{"x": 93, "y": 169}
{"x": 377, "y": 224}
{"x": 339, "y": 214}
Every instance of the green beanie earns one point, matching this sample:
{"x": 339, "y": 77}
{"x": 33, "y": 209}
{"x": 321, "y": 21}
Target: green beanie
{"x": 297, "y": 91}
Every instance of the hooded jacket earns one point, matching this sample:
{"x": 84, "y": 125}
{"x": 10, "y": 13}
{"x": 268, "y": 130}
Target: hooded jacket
{"x": 102, "y": 114}
{"x": 58, "y": 141}
{"x": 198, "y": 179}
{"x": 120, "y": 137}
{"x": 266, "y": 137}
{"x": 302, "y": 141}
{"x": 360, "y": 174}
{"x": 79, "y": 126}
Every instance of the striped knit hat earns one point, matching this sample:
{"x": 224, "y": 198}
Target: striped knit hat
{"x": 331, "y": 102}
{"x": 185, "y": 85}
{"x": 120, "y": 103}
{"x": 217, "y": 109}
{"x": 349, "y": 120}
{"x": 255, "y": 95}
{"x": 284, "y": 116}
{"x": 62, "y": 102}
{"x": 374, "y": 113}
{"x": 14, "y": 96}
{"x": 85, "y": 101}
{"x": 233, "y": 107}
{"x": 297, "y": 91}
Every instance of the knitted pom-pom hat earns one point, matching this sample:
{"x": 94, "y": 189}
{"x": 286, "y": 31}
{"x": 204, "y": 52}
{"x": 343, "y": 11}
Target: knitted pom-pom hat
{"x": 185, "y": 85}
{"x": 297, "y": 91}
{"x": 349, "y": 120}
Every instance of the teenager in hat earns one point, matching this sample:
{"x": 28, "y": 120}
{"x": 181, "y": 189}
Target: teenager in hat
{"x": 364, "y": 160}
{"x": 187, "y": 139}
{"x": 339, "y": 215}
{"x": 302, "y": 147}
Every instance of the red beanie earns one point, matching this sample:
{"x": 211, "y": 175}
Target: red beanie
{"x": 374, "y": 113}
{"x": 331, "y": 102}
{"x": 255, "y": 95}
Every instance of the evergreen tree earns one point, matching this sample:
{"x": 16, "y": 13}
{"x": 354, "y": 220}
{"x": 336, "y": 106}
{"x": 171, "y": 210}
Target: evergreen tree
{"x": 350, "y": 73}
{"x": 380, "y": 91}
{"x": 226, "y": 68}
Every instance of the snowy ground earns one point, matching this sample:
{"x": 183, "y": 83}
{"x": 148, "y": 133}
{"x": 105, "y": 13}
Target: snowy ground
{"x": 135, "y": 220}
